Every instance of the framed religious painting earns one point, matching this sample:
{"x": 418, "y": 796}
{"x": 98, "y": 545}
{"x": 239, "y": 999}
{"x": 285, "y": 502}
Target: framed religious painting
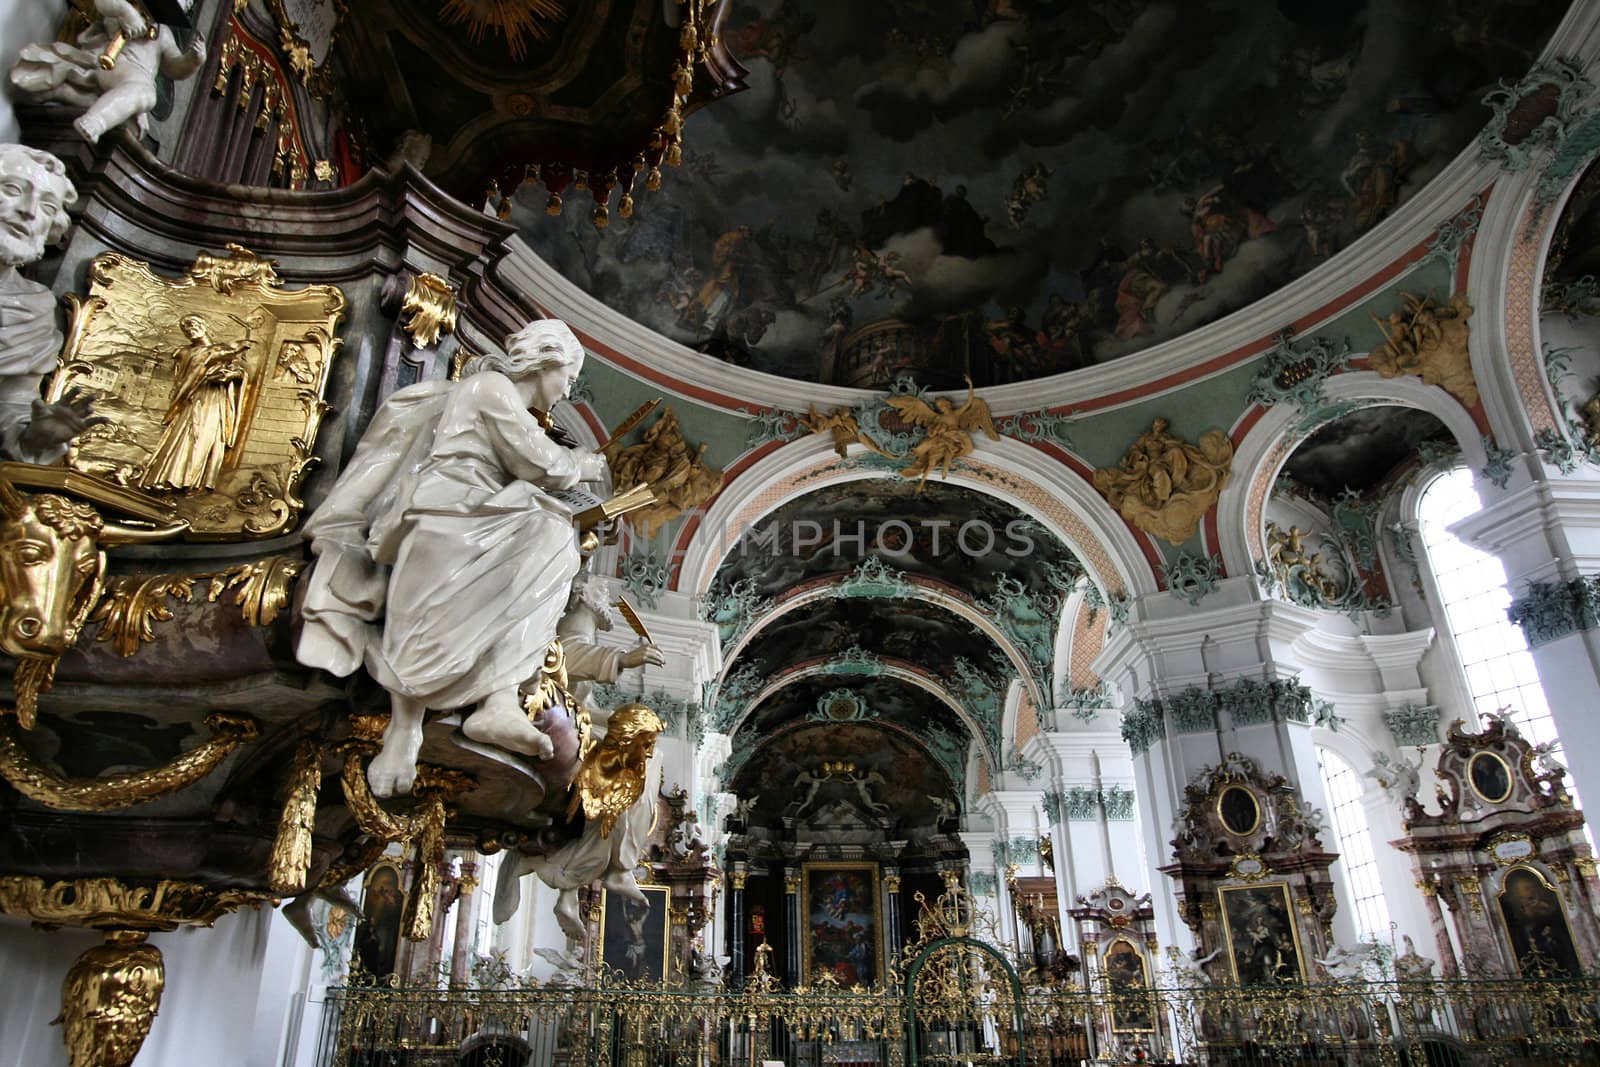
{"x": 1132, "y": 1009}
{"x": 634, "y": 938}
{"x": 378, "y": 934}
{"x": 1259, "y": 931}
{"x": 841, "y": 928}
{"x": 1536, "y": 926}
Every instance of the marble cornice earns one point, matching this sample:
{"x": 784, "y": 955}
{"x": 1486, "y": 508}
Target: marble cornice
{"x": 136, "y": 203}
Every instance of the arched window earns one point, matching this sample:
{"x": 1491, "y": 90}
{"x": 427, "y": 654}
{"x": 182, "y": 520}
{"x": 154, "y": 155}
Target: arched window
{"x": 1472, "y": 586}
{"x": 1353, "y": 839}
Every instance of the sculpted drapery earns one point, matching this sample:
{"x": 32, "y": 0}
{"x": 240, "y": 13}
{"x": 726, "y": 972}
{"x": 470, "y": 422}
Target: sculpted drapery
{"x": 443, "y": 560}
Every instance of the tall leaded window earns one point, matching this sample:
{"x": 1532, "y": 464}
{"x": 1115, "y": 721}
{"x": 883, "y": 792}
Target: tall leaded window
{"x": 1353, "y": 838}
{"x": 1472, "y": 586}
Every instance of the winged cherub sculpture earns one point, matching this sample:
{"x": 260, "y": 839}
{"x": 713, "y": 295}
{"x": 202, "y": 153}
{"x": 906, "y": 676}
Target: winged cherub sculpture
{"x": 950, "y": 430}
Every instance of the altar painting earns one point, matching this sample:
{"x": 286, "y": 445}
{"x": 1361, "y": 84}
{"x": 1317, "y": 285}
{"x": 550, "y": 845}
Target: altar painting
{"x": 843, "y": 934}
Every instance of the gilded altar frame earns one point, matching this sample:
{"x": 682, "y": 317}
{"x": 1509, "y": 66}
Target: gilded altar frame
{"x": 811, "y": 875}
{"x": 1278, "y": 890}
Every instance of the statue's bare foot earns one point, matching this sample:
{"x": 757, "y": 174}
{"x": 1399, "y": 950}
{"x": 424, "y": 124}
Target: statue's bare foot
{"x": 393, "y": 771}
{"x": 504, "y": 724}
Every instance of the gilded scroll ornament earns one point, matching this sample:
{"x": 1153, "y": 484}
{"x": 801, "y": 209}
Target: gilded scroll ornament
{"x": 28, "y": 777}
{"x": 1164, "y": 485}
{"x": 291, "y": 849}
{"x": 109, "y": 1000}
{"x": 429, "y": 310}
{"x": 680, "y": 480}
{"x": 212, "y": 385}
{"x": 106, "y": 903}
{"x": 426, "y": 827}
{"x": 134, "y": 604}
{"x": 1429, "y": 340}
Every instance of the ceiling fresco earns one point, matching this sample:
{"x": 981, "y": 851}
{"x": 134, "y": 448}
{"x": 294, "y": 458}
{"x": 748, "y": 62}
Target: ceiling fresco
{"x": 907, "y": 629}
{"x": 929, "y": 544}
{"x": 846, "y": 699}
{"x": 1014, "y": 188}
{"x": 1363, "y": 449}
{"x": 891, "y": 771}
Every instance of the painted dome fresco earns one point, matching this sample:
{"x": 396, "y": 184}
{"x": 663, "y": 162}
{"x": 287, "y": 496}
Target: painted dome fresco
{"x": 1010, "y": 189}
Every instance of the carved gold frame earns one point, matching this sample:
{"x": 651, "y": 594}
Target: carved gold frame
{"x": 823, "y": 866}
{"x": 1288, "y": 909}
{"x": 651, "y": 892}
{"x": 1255, "y": 804}
{"x": 1511, "y": 782}
{"x": 121, "y": 346}
{"x": 1561, "y": 902}
{"x": 1144, "y": 978}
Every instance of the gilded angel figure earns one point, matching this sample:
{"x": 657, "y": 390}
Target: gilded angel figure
{"x": 949, "y": 429}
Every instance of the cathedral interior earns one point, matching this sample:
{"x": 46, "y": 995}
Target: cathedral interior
{"x": 984, "y": 532}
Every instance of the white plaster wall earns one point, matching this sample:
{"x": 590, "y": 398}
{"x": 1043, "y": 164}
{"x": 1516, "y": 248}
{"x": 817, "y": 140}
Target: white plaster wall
{"x": 21, "y": 22}
{"x": 228, "y": 999}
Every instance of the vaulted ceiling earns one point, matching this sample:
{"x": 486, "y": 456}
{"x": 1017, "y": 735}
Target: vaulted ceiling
{"x": 866, "y": 604}
{"x": 1015, "y": 188}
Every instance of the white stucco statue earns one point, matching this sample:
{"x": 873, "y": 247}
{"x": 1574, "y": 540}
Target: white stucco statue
{"x": 443, "y": 561}
{"x": 34, "y": 194}
{"x": 588, "y": 614}
{"x": 74, "y": 74}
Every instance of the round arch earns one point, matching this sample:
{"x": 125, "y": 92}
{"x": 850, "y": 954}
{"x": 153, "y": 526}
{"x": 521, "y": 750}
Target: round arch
{"x": 899, "y": 670}
{"x": 1241, "y": 510}
{"x": 1017, "y": 474}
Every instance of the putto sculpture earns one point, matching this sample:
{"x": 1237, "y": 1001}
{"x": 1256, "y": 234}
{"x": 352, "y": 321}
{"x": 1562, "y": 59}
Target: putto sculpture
{"x": 443, "y": 559}
{"x": 110, "y": 70}
{"x": 34, "y": 196}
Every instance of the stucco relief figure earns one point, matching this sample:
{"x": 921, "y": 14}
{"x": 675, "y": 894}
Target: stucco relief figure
{"x": 1429, "y": 340}
{"x": 1164, "y": 486}
{"x": 680, "y": 479}
{"x": 34, "y": 194}
{"x": 950, "y": 431}
{"x": 443, "y": 560}
{"x": 202, "y": 420}
{"x": 74, "y": 74}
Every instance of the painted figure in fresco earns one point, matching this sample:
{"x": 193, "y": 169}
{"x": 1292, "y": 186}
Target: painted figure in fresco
{"x": 34, "y": 195}
{"x": 1027, "y": 189}
{"x": 74, "y": 74}
{"x": 870, "y": 269}
{"x": 1145, "y": 278}
{"x": 1373, "y": 179}
{"x": 720, "y": 290}
{"x": 1218, "y": 230}
{"x": 202, "y": 421}
{"x": 443, "y": 559}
